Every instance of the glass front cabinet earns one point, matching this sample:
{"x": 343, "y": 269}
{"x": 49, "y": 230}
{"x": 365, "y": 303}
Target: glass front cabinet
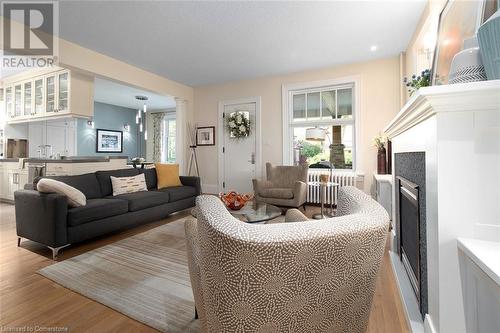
{"x": 40, "y": 96}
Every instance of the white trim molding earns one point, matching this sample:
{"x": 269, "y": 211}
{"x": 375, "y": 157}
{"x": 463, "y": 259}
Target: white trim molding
{"x": 258, "y": 136}
{"x": 286, "y": 91}
{"x": 427, "y": 101}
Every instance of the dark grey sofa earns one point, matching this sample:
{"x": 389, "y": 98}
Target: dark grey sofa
{"x": 46, "y": 218}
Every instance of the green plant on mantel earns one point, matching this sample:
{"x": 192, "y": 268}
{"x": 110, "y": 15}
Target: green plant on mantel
{"x": 417, "y": 82}
{"x": 379, "y": 141}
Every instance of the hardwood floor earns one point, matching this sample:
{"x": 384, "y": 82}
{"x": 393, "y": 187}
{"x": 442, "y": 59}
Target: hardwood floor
{"x": 29, "y": 299}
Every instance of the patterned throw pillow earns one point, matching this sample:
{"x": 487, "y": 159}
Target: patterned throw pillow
{"x": 122, "y": 185}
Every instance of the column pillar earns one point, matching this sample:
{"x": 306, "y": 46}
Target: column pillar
{"x": 180, "y": 133}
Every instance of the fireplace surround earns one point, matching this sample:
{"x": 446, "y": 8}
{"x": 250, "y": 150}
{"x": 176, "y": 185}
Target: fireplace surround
{"x": 410, "y": 207}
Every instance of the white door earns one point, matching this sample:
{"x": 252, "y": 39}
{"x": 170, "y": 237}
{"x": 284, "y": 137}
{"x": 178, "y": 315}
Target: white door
{"x": 240, "y": 156}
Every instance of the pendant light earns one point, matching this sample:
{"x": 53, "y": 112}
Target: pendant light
{"x": 139, "y": 118}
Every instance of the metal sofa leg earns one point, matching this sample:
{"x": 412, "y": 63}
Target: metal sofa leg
{"x": 55, "y": 250}
{"x": 19, "y": 241}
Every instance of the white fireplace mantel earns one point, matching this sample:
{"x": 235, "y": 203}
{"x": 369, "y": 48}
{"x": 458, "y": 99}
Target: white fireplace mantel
{"x": 458, "y": 128}
{"x": 427, "y": 101}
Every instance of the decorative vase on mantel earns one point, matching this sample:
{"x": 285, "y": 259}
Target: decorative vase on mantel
{"x": 381, "y": 161}
{"x": 489, "y": 41}
{"x": 466, "y": 65}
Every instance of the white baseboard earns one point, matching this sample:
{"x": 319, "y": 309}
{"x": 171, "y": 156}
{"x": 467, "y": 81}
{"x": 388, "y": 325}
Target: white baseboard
{"x": 210, "y": 188}
{"x": 428, "y": 325}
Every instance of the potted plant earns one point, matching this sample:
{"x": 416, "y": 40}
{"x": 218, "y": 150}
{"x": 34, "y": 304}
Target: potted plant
{"x": 417, "y": 82}
{"x": 380, "y": 141}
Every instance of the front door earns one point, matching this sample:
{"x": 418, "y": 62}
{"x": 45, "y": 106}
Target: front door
{"x": 240, "y": 154}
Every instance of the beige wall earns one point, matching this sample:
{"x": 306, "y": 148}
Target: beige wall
{"x": 380, "y": 100}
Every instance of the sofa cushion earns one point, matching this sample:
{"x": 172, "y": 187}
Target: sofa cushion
{"x": 96, "y": 209}
{"x": 180, "y": 192}
{"x": 103, "y": 177}
{"x": 151, "y": 179}
{"x": 143, "y": 200}
{"x": 276, "y": 192}
{"x": 86, "y": 183}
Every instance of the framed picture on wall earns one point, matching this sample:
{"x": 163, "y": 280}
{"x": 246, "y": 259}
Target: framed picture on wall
{"x": 109, "y": 141}
{"x": 205, "y": 136}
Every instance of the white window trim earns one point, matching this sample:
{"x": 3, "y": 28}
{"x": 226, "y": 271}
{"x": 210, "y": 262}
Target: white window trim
{"x": 288, "y": 89}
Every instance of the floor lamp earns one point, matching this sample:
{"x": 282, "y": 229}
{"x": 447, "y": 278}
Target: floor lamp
{"x": 320, "y": 134}
{"x": 193, "y": 160}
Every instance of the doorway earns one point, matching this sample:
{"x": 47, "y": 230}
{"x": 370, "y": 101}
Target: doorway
{"x": 239, "y": 157}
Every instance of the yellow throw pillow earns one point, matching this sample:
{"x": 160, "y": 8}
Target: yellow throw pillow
{"x": 167, "y": 175}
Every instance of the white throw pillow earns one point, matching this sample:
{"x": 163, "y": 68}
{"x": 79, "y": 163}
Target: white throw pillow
{"x": 75, "y": 197}
{"x": 122, "y": 185}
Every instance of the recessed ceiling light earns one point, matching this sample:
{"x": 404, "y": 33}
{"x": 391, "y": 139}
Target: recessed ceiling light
{"x": 373, "y": 48}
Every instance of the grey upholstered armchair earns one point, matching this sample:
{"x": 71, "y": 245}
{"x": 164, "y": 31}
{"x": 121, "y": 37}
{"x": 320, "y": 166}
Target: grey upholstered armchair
{"x": 285, "y": 186}
{"x": 313, "y": 276}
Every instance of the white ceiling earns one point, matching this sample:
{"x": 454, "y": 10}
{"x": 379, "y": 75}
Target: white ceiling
{"x": 110, "y": 92}
{"x": 199, "y": 43}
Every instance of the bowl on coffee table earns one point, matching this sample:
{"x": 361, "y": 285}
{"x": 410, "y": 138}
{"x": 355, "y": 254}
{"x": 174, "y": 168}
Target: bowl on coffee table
{"x": 235, "y": 201}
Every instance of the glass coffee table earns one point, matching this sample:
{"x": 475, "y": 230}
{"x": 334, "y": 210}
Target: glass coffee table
{"x": 256, "y": 212}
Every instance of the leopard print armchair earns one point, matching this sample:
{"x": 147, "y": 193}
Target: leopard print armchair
{"x": 312, "y": 276}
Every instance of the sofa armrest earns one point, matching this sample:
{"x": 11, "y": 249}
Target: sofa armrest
{"x": 192, "y": 181}
{"x": 41, "y": 217}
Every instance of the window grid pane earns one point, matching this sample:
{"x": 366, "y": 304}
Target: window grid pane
{"x": 299, "y": 107}
{"x": 313, "y": 106}
{"x": 344, "y": 109}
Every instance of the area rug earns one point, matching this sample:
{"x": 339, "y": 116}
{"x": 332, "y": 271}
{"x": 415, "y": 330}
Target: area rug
{"x": 144, "y": 277}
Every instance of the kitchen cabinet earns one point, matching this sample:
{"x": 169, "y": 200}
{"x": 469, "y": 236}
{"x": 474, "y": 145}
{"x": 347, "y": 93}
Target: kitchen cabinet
{"x": 27, "y": 98}
{"x": 51, "y": 95}
{"x": 55, "y": 137}
{"x": 52, "y": 138}
{"x": 12, "y": 178}
{"x": 18, "y": 99}
{"x": 9, "y": 104}
{"x": 38, "y": 97}
{"x": 17, "y": 179}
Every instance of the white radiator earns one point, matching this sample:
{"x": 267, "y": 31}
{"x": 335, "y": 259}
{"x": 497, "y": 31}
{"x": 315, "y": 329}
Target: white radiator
{"x": 343, "y": 178}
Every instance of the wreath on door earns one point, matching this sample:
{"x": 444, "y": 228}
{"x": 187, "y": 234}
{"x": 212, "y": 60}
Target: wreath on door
{"x": 238, "y": 124}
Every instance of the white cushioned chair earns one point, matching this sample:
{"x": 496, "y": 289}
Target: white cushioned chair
{"x": 312, "y": 276}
